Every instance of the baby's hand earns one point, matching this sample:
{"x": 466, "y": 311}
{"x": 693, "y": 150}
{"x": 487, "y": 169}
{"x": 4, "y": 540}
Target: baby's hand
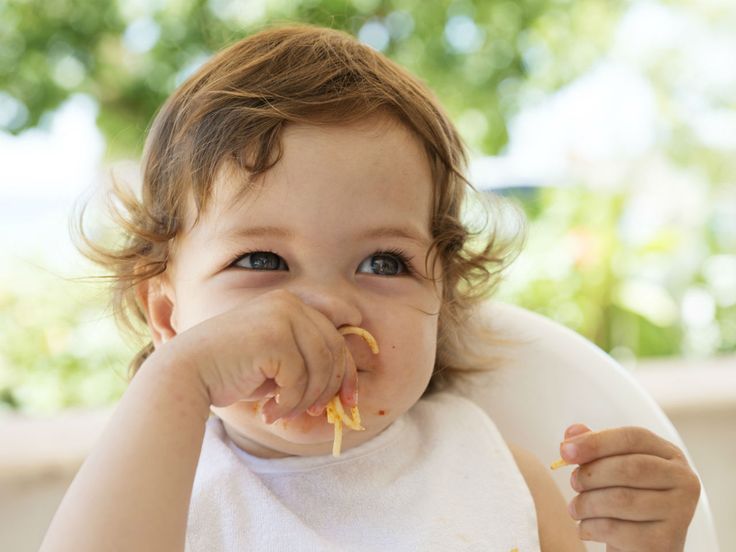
{"x": 637, "y": 491}
{"x": 276, "y": 346}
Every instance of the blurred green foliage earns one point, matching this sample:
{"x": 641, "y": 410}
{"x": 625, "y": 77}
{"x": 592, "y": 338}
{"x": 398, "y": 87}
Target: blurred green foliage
{"x": 130, "y": 55}
{"x": 59, "y": 348}
{"x": 577, "y": 268}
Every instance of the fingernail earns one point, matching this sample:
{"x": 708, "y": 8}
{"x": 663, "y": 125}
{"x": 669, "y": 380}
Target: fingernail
{"x": 315, "y": 410}
{"x": 571, "y": 510}
{"x": 574, "y": 480}
{"x": 576, "y": 429}
{"x": 569, "y": 451}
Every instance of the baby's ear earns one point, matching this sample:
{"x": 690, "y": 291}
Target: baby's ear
{"x": 157, "y": 303}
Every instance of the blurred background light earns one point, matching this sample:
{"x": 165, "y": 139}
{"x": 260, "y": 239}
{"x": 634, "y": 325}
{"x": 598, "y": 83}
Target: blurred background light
{"x": 375, "y": 34}
{"x": 141, "y": 35}
{"x": 463, "y": 35}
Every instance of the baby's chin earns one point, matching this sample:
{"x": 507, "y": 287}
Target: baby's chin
{"x": 306, "y": 435}
{"x": 302, "y": 430}
{"x": 303, "y": 435}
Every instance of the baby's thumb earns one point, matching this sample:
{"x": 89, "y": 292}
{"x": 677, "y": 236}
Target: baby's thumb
{"x": 576, "y": 429}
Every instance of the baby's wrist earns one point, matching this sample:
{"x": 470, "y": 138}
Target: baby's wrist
{"x": 180, "y": 376}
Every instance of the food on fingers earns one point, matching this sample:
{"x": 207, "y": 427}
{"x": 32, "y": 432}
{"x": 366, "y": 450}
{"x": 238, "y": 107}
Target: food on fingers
{"x": 335, "y": 410}
{"x": 558, "y": 464}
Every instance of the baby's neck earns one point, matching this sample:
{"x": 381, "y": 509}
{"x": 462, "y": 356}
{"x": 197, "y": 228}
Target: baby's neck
{"x": 250, "y": 446}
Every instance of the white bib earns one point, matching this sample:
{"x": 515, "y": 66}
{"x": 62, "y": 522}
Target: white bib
{"x": 439, "y": 478}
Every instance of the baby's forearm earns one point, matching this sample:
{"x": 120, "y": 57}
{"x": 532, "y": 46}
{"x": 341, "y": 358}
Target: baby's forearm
{"x": 133, "y": 491}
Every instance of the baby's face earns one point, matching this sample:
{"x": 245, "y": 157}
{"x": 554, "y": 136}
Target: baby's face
{"x": 333, "y": 190}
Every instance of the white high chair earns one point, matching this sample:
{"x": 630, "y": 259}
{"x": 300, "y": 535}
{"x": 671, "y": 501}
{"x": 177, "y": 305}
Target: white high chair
{"x": 552, "y": 377}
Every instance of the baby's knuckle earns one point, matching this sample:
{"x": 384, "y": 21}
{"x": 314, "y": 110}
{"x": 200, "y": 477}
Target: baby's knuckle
{"x": 695, "y": 486}
{"x": 677, "y": 454}
{"x": 684, "y": 478}
{"x": 692, "y": 485}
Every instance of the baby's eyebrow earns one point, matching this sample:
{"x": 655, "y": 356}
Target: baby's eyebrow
{"x": 286, "y": 233}
{"x": 258, "y": 232}
{"x": 395, "y": 232}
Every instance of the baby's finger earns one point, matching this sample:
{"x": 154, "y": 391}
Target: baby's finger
{"x": 287, "y": 369}
{"x": 349, "y": 389}
{"x": 267, "y": 389}
{"x": 333, "y": 384}
{"x": 337, "y": 344}
{"x": 642, "y": 471}
{"x": 622, "y": 503}
{"x": 611, "y": 442}
{"x": 324, "y": 364}
{"x": 576, "y": 429}
{"x": 635, "y": 536}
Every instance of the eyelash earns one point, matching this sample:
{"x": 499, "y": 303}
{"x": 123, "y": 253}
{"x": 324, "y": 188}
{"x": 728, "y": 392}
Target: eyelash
{"x": 399, "y": 254}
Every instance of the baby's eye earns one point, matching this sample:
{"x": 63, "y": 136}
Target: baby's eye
{"x": 261, "y": 260}
{"x": 386, "y": 263}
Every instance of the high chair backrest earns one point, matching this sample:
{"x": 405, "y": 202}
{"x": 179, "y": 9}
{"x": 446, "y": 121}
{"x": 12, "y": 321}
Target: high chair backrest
{"x": 549, "y": 378}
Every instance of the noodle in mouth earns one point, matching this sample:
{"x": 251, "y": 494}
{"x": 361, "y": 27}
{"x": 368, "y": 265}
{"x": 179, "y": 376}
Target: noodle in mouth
{"x": 336, "y": 414}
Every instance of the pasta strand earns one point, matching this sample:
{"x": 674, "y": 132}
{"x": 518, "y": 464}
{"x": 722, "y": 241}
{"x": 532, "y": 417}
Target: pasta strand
{"x": 335, "y": 411}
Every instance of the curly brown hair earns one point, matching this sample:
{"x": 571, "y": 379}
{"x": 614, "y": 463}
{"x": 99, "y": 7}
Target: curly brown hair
{"x": 234, "y": 109}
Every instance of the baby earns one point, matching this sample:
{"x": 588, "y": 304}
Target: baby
{"x": 299, "y": 184}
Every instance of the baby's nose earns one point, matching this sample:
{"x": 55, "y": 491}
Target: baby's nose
{"x": 339, "y": 306}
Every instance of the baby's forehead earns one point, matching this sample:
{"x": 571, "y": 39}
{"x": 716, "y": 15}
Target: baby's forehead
{"x": 319, "y": 195}
{"x": 369, "y": 156}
